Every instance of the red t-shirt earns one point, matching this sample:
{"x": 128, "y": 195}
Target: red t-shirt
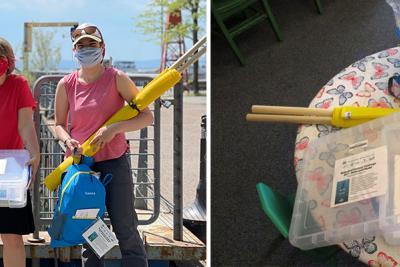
{"x": 14, "y": 94}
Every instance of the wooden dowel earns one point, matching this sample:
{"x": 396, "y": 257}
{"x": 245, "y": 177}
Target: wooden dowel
{"x": 259, "y": 109}
{"x": 290, "y": 119}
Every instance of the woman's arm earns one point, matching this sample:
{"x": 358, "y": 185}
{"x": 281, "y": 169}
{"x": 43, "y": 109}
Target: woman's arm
{"x": 61, "y": 116}
{"x": 27, "y": 132}
{"x": 128, "y": 91}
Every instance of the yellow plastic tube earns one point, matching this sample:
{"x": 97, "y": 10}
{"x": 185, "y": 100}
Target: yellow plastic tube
{"x": 153, "y": 90}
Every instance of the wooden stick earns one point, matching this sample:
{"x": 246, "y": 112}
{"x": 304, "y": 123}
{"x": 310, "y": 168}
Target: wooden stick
{"x": 290, "y": 119}
{"x": 291, "y": 111}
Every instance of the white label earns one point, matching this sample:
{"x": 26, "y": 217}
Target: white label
{"x": 100, "y": 238}
{"x": 360, "y": 144}
{"x": 3, "y": 164}
{"x": 86, "y": 214}
{"x": 360, "y": 176}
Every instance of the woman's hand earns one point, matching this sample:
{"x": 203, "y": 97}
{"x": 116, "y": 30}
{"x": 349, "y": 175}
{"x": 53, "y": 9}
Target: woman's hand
{"x": 74, "y": 146}
{"x": 103, "y": 136}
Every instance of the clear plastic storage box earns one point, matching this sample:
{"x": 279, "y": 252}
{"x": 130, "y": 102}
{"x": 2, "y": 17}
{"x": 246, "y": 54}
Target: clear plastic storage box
{"x": 361, "y": 165}
{"x": 14, "y": 178}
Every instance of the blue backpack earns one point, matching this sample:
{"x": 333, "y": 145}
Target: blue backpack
{"x": 80, "y": 190}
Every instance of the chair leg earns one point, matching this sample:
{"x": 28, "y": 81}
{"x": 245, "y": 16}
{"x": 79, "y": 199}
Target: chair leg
{"x": 318, "y": 5}
{"x": 272, "y": 20}
{"x": 228, "y": 37}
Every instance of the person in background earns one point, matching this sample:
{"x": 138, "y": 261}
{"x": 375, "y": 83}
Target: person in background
{"x": 17, "y": 132}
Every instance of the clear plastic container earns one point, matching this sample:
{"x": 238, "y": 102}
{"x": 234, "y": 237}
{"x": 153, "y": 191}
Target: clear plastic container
{"x": 315, "y": 221}
{"x": 390, "y": 215}
{"x": 14, "y": 178}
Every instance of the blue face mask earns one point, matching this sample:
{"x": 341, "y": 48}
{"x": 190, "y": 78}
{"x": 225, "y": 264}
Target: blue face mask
{"x": 89, "y": 56}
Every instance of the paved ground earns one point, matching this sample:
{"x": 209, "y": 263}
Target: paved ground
{"x": 193, "y": 108}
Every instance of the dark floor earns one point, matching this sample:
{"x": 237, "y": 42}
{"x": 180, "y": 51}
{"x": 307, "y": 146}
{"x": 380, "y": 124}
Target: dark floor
{"x": 289, "y": 73}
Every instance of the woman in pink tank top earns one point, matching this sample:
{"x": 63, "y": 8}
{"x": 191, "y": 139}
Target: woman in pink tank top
{"x": 89, "y": 96}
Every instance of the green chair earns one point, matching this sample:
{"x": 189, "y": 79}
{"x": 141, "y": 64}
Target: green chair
{"x": 279, "y": 210}
{"x": 318, "y": 5}
{"x": 223, "y": 10}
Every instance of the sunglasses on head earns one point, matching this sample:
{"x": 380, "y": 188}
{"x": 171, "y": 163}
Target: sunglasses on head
{"x": 90, "y": 30}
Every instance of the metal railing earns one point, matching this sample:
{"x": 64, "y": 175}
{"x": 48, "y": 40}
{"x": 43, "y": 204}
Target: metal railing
{"x": 144, "y": 154}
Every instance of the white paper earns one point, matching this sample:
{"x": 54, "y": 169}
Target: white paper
{"x": 3, "y": 164}
{"x": 358, "y": 145}
{"x": 100, "y": 238}
{"x": 86, "y": 214}
{"x": 360, "y": 176}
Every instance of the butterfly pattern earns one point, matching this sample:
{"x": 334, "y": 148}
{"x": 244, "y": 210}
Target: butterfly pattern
{"x": 356, "y": 247}
{"x": 303, "y": 143}
{"x": 395, "y": 62}
{"x": 382, "y": 102}
{"x": 342, "y": 93}
{"x": 329, "y": 156}
{"x": 383, "y": 86}
{"x": 361, "y": 64}
{"x": 380, "y": 71}
{"x": 320, "y": 180}
{"x": 321, "y": 92}
{"x": 348, "y": 217}
{"x": 383, "y": 259}
{"x": 324, "y": 129}
{"x": 364, "y": 83}
{"x": 353, "y": 78}
{"x": 367, "y": 92}
{"x": 369, "y": 134}
{"x": 388, "y": 53}
{"x": 325, "y": 104}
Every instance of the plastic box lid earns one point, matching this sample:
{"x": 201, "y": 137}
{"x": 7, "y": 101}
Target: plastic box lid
{"x": 314, "y": 222}
{"x": 14, "y": 175}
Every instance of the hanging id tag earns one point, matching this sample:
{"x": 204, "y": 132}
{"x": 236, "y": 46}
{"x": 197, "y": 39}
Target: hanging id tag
{"x": 100, "y": 238}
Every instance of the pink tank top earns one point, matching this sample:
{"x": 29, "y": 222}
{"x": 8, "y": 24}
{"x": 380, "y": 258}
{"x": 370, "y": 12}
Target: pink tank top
{"x": 90, "y": 105}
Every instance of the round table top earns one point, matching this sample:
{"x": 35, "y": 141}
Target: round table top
{"x": 363, "y": 83}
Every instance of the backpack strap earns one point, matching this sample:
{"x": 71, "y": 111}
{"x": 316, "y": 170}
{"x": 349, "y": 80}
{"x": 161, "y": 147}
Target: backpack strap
{"x": 88, "y": 161}
{"x": 62, "y": 177}
{"x": 107, "y": 179}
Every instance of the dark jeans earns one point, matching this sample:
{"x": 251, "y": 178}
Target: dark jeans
{"x": 120, "y": 207}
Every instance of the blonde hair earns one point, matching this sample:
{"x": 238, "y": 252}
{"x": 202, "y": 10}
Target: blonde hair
{"x": 7, "y": 51}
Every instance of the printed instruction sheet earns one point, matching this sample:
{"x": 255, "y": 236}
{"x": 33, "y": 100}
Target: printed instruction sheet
{"x": 100, "y": 238}
{"x": 360, "y": 176}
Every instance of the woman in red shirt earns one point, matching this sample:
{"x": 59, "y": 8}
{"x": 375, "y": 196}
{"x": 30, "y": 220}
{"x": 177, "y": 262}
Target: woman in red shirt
{"x": 17, "y": 132}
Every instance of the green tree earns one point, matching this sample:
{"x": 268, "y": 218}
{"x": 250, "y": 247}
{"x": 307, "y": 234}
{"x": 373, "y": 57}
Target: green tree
{"x": 26, "y": 73}
{"x": 29, "y": 76}
{"x": 45, "y": 55}
{"x": 151, "y": 23}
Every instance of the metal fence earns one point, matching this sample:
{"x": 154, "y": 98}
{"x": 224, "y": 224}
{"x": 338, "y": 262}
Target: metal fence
{"x": 144, "y": 154}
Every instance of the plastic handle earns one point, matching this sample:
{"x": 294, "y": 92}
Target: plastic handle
{"x": 29, "y": 177}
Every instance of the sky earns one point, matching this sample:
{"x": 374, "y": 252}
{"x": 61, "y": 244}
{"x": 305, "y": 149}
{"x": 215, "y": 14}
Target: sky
{"x": 115, "y": 18}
